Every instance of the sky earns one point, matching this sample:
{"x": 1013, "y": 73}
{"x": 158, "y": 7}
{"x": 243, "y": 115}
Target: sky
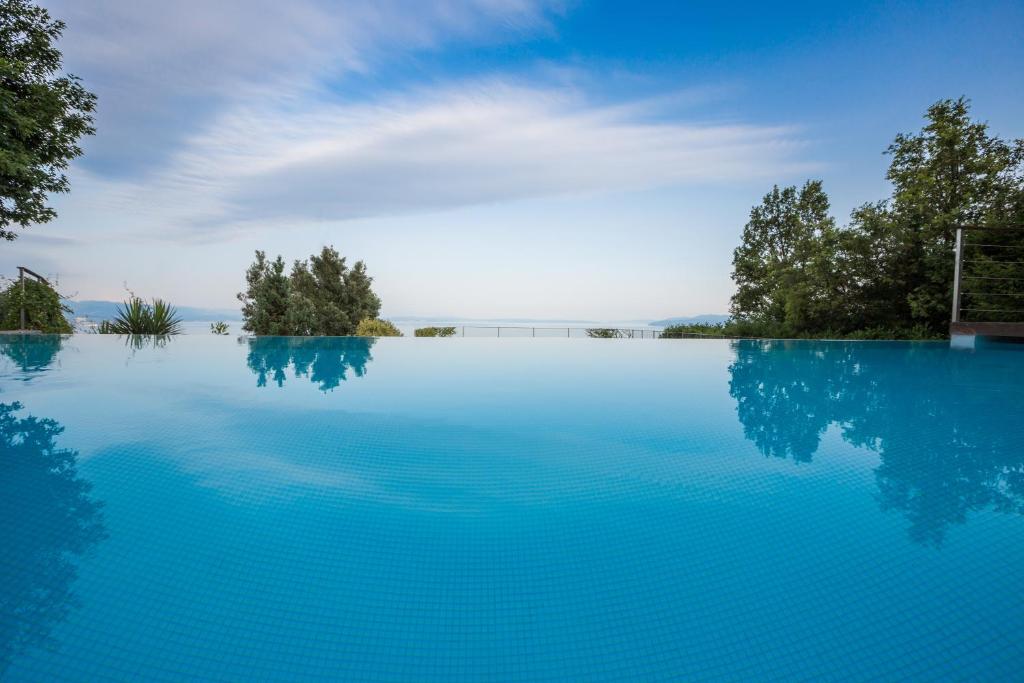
{"x": 489, "y": 158}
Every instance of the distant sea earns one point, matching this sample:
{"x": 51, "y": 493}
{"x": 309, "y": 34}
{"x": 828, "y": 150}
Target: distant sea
{"x": 473, "y": 328}
{"x": 197, "y": 321}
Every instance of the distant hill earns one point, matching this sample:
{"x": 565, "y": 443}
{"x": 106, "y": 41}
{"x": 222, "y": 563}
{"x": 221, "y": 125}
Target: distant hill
{"x": 105, "y": 310}
{"x": 708, "y": 318}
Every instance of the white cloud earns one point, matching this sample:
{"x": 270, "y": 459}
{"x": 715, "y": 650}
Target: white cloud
{"x": 280, "y": 162}
{"x": 222, "y": 116}
{"x": 162, "y": 69}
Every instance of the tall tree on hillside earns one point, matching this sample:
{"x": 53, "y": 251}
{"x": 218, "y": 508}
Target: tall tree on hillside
{"x": 782, "y": 274}
{"x": 43, "y": 114}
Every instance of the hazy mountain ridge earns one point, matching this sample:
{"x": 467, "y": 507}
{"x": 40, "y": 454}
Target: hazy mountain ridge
{"x": 105, "y": 310}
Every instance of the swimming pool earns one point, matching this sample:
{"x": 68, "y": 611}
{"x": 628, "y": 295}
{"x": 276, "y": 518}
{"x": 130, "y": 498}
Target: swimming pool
{"x": 516, "y": 509}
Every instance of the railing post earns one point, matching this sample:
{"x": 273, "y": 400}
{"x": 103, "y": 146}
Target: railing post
{"x": 21, "y": 276}
{"x": 959, "y": 251}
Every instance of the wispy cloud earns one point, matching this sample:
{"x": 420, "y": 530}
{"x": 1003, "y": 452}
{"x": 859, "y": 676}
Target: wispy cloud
{"x": 287, "y": 161}
{"x": 221, "y": 117}
{"x": 162, "y": 69}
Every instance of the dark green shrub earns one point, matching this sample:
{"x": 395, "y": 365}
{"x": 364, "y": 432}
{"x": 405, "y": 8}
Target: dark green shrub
{"x": 44, "y": 311}
{"x": 375, "y": 327}
{"x": 435, "y": 332}
{"x": 603, "y": 333}
{"x": 696, "y": 329}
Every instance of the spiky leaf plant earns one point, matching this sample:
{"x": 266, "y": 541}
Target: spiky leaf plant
{"x": 135, "y": 316}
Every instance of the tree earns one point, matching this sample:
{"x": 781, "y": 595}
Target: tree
{"x": 889, "y": 273}
{"x": 321, "y": 296}
{"x": 339, "y": 298}
{"x": 43, "y": 114}
{"x": 265, "y": 301}
{"x": 952, "y": 173}
{"x": 781, "y": 273}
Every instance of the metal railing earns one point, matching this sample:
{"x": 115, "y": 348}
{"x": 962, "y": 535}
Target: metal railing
{"x": 998, "y": 294}
{"x": 551, "y": 332}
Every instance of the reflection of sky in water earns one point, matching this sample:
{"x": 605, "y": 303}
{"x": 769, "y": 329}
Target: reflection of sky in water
{"x": 349, "y": 508}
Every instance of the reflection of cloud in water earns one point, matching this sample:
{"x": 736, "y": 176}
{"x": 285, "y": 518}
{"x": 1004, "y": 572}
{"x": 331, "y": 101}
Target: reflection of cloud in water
{"x": 250, "y": 471}
{"x": 256, "y": 454}
{"x": 325, "y": 361}
{"x": 938, "y": 419}
{"x": 46, "y": 519}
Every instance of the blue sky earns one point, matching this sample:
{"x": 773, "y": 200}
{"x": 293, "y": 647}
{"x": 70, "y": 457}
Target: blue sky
{"x": 490, "y": 158}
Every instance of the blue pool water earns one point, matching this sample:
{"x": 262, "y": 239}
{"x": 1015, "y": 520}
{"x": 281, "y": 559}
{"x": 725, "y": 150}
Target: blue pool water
{"x": 513, "y": 509}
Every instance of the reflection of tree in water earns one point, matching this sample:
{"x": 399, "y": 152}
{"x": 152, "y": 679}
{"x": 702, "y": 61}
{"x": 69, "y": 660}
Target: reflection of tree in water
{"x": 46, "y": 519}
{"x": 31, "y": 352}
{"x": 938, "y": 420}
{"x": 786, "y": 381}
{"x": 325, "y": 361}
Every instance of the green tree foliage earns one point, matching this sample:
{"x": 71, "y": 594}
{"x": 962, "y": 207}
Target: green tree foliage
{"x": 951, "y": 173}
{"x": 889, "y": 272}
{"x": 375, "y": 327}
{"x": 44, "y": 114}
{"x": 44, "y": 311}
{"x": 265, "y": 305}
{"x": 785, "y": 278}
{"x": 137, "y": 317}
{"x": 435, "y": 332}
{"x": 321, "y": 296}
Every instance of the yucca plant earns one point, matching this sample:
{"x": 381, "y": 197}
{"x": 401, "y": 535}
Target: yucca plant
{"x": 136, "y": 316}
{"x": 219, "y": 327}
